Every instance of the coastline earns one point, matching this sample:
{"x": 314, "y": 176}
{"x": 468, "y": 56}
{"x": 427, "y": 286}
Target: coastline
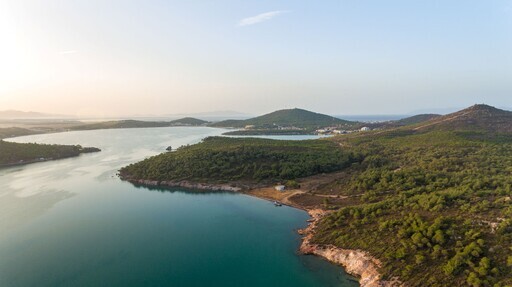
{"x": 355, "y": 262}
{"x": 185, "y": 184}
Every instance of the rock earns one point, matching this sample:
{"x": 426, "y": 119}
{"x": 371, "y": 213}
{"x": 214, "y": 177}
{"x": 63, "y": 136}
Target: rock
{"x": 355, "y": 262}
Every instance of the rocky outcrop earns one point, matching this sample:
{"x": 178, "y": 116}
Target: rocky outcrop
{"x": 187, "y": 184}
{"x": 355, "y": 262}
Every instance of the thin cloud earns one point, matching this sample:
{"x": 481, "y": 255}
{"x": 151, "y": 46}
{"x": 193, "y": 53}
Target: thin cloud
{"x": 260, "y": 18}
{"x": 67, "y": 52}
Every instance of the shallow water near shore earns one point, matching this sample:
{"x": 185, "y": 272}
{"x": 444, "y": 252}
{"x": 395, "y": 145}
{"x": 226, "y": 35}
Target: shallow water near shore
{"x": 72, "y": 222}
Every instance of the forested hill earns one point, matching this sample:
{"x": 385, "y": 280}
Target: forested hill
{"x": 124, "y": 124}
{"x": 252, "y": 160}
{"x": 432, "y": 202}
{"x": 287, "y": 118}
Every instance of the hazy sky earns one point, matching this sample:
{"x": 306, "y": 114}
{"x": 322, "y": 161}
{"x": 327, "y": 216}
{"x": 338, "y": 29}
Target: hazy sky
{"x": 99, "y": 57}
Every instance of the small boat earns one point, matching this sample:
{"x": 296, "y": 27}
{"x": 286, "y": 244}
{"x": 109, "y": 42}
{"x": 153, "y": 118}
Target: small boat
{"x": 277, "y": 203}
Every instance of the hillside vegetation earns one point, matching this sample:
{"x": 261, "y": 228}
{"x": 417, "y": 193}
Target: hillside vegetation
{"x": 434, "y": 207}
{"x": 416, "y": 119}
{"x": 221, "y": 159}
{"x": 481, "y": 118}
{"x": 22, "y": 153}
{"x": 432, "y": 201}
{"x": 287, "y": 118}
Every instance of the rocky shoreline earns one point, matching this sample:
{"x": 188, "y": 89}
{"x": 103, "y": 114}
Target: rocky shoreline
{"x": 355, "y": 262}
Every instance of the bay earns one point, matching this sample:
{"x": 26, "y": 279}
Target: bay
{"x": 72, "y": 222}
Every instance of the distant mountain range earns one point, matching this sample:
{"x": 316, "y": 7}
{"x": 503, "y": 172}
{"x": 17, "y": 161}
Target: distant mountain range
{"x": 476, "y": 118}
{"x": 14, "y": 114}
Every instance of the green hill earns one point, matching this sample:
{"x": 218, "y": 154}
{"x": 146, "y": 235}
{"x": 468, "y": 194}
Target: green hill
{"x": 298, "y": 118}
{"x": 223, "y": 159}
{"x": 126, "y": 124}
{"x": 431, "y": 201}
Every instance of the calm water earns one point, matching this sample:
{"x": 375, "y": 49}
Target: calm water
{"x": 286, "y": 137}
{"x": 71, "y": 222}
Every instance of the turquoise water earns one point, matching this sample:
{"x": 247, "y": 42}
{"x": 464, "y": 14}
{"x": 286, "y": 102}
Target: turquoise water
{"x": 72, "y": 222}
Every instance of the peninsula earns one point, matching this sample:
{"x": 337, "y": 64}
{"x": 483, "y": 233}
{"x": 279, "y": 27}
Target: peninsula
{"x": 421, "y": 204}
{"x": 24, "y": 153}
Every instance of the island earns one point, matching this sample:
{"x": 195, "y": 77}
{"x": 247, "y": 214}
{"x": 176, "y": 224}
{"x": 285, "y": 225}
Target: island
{"x": 427, "y": 203}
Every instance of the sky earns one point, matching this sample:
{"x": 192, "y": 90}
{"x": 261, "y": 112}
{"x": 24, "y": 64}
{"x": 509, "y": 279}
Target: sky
{"x": 116, "y": 58}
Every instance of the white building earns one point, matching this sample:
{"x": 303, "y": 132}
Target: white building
{"x": 280, "y": 187}
{"x": 365, "y": 129}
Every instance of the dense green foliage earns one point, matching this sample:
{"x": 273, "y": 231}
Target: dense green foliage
{"x": 432, "y": 201}
{"x": 435, "y": 207}
{"x": 125, "y": 124}
{"x": 20, "y": 153}
{"x": 287, "y": 118}
{"x": 250, "y": 159}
